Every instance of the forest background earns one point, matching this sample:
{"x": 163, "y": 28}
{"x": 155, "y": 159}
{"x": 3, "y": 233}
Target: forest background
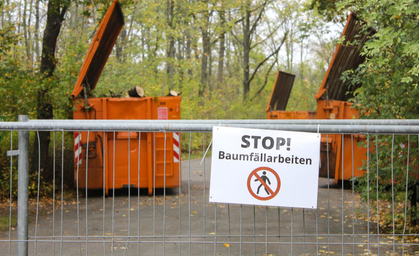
{"x": 222, "y": 55}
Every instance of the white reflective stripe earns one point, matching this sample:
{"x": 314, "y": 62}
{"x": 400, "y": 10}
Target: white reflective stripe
{"x": 77, "y": 139}
{"x": 176, "y": 154}
{"x": 77, "y": 155}
{"x": 176, "y": 136}
{"x": 175, "y": 148}
{"x": 79, "y": 151}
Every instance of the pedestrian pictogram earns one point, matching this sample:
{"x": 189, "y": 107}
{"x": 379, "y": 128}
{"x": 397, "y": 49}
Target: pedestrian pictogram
{"x": 266, "y": 178}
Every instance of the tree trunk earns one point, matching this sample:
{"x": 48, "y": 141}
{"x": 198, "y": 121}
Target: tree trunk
{"x": 9, "y": 15}
{"x": 248, "y": 30}
{"x": 2, "y": 15}
{"x": 36, "y": 33}
{"x": 222, "y": 47}
{"x": 156, "y": 49}
{"x": 55, "y": 17}
{"x": 121, "y": 45}
{"x": 290, "y": 53}
{"x": 171, "y": 51}
{"x": 206, "y": 50}
{"x": 25, "y": 30}
{"x": 204, "y": 61}
{"x": 188, "y": 51}
{"x": 246, "y": 51}
{"x": 29, "y": 48}
{"x": 19, "y": 19}
{"x": 209, "y": 78}
{"x": 181, "y": 57}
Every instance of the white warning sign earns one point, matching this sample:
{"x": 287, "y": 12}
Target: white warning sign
{"x": 265, "y": 167}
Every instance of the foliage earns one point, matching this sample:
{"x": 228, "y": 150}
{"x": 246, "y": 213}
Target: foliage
{"x": 7, "y": 38}
{"x": 389, "y": 87}
{"x": 195, "y": 145}
{"x": 392, "y": 163}
{"x": 390, "y": 175}
{"x": 328, "y": 8}
{"x": 390, "y": 74}
{"x": 9, "y": 184}
{"x": 18, "y": 82}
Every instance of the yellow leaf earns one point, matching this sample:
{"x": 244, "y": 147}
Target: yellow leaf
{"x": 226, "y": 245}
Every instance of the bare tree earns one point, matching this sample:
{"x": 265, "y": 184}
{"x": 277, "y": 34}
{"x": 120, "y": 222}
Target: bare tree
{"x": 222, "y": 45}
{"x": 36, "y": 32}
{"x": 206, "y": 47}
{"x": 250, "y": 20}
{"x": 170, "y": 50}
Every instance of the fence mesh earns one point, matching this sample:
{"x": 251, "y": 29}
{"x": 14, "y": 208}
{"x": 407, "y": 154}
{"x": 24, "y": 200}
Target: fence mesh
{"x": 360, "y": 216}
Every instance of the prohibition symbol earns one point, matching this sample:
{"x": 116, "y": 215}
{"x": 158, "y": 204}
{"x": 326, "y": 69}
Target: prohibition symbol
{"x": 260, "y": 186}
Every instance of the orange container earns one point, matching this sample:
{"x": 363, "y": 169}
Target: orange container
{"x": 277, "y": 114}
{"x": 334, "y": 153}
{"x": 345, "y": 156}
{"x": 128, "y": 159}
{"x": 121, "y": 159}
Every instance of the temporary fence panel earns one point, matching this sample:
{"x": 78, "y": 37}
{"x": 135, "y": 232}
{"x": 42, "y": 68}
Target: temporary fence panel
{"x": 181, "y": 221}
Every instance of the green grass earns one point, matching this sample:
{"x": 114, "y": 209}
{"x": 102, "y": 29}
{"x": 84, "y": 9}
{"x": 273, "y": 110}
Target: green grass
{"x": 4, "y": 222}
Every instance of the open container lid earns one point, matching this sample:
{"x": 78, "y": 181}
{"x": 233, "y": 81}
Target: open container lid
{"x": 346, "y": 57}
{"x": 281, "y": 91}
{"x": 100, "y": 49}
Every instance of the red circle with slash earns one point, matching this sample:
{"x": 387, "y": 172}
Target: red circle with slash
{"x": 266, "y": 186}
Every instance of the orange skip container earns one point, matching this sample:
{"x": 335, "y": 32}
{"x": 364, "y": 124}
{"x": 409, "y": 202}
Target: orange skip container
{"x": 121, "y": 159}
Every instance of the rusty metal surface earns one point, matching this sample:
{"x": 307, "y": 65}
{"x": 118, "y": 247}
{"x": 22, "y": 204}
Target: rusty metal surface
{"x": 100, "y": 49}
{"x": 346, "y": 57}
{"x": 281, "y": 91}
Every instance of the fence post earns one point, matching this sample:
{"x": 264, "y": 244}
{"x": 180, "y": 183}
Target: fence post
{"x": 22, "y": 190}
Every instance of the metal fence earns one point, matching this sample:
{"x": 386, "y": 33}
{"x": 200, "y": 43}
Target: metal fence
{"x": 181, "y": 221}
